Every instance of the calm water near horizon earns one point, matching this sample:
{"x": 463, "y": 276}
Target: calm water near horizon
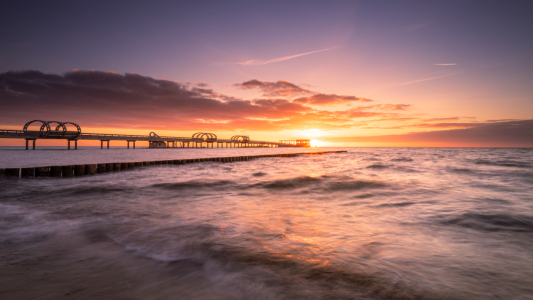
{"x": 373, "y": 223}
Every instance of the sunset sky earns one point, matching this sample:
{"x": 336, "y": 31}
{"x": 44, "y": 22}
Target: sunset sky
{"x": 345, "y": 73}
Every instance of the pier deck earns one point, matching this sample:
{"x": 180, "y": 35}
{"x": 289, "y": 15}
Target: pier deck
{"x": 198, "y": 140}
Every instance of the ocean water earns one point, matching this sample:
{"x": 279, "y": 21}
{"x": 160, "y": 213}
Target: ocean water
{"x": 372, "y": 223}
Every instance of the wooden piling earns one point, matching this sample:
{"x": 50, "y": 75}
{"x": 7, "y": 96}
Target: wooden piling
{"x": 55, "y": 171}
{"x": 139, "y": 163}
{"x": 42, "y": 172}
{"x": 79, "y": 170}
{"x": 67, "y": 171}
{"x": 90, "y": 169}
{"x": 12, "y": 172}
{"x": 101, "y": 168}
{"x": 27, "y": 172}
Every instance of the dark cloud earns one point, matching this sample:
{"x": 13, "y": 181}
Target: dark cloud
{"x": 280, "y": 88}
{"x": 202, "y": 91}
{"x": 503, "y": 134}
{"x": 107, "y": 99}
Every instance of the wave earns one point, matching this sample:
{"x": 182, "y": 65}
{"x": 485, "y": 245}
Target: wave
{"x": 354, "y": 185}
{"x": 503, "y": 163}
{"x": 259, "y": 174}
{"x": 377, "y": 166}
{"x": 363, "y": 196}
{"x": 398, "y": 204}
{"x": 193, "y": 184}
{"x": 326, "y": 280}
{"x": 461, "y": 170}
{"x": 96, "y": 189}
{"x": 493, "y": 222}
{"x": 290, "y": 183}
{"x": 325, "y": 183}
{"x": 402, "y": 159}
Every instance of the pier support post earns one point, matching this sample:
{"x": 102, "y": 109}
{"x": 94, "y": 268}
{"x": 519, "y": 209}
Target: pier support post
{"x": 75, "y": 144}
{"x": 133, "y": 144}
{"x": 27, "y": 140}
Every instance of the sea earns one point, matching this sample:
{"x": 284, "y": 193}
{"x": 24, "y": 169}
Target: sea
{"x": 370, "y": 223}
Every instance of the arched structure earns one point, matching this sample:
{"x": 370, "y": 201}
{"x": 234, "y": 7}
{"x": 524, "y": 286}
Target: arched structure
{"x": 204, "y": 137}
{"x": 240, "y": 138}
{"x": 59, "y": 131}
{"x": 153, "y": 136}
{"x": 72, "y": 134}
{"x": 45, "y": 127}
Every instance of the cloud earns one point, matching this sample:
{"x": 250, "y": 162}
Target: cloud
{"x": 109, "y": 100}
{"x": 329, "y": 99}
{"x": 451, "y": 64}
{"x": 503, "y": 134}
{"x": 280, "y": 88}
{"x": 100, "y": 99}
{"x": 257, "y": 62}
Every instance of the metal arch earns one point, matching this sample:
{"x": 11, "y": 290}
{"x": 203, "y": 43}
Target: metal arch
{"x": 204, "y": 137}
{"x": 45, "y": 125}
{"x": 78, "y": 128}
{"x": 240, "y": 138}
{"x": 153, "y": 136}
{"x": 59, "y": 126}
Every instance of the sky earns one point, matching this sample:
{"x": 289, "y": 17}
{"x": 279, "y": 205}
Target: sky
{"x": 344, "y": 73}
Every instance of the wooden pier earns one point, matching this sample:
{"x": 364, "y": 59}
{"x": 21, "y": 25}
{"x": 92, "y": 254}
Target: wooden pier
{"x": 198, "y": 140}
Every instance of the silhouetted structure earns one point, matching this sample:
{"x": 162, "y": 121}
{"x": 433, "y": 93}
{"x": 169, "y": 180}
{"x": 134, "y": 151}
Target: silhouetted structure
{"x": 297, "y": 143}
{"x": 198, "y": 140}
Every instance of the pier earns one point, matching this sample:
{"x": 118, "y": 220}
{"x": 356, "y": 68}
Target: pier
{"x": 60, "y": 130}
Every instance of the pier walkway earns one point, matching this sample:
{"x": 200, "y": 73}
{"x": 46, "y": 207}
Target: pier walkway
{"x": 198, "y": 140}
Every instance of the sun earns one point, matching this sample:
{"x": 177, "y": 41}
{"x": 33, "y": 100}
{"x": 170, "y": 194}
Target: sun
{"x": 316, "y": 143}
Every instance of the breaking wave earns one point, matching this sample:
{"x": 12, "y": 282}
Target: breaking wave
{"x": 503, "y": 163}
{"x": 492, "y": 222}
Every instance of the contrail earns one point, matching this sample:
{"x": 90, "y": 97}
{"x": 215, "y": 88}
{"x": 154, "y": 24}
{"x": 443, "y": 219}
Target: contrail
{"x": 257, "y": 62}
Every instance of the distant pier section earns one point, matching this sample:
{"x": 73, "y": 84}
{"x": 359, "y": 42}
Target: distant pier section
{"x": 71, "y": 132}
